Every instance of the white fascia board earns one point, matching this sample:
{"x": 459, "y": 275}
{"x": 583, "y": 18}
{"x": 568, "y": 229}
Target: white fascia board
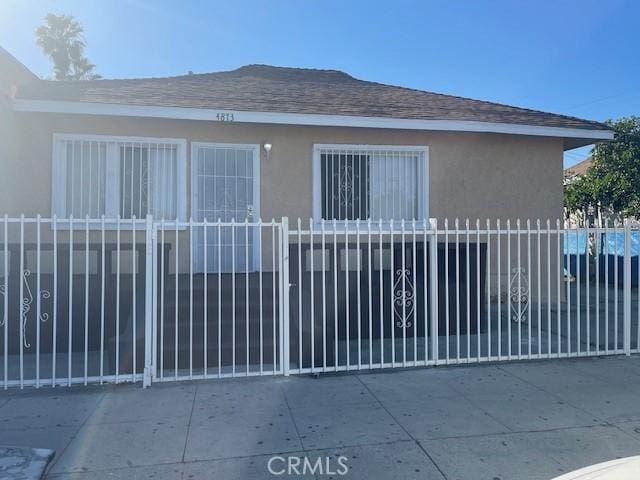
{"x": 182, "y": 113}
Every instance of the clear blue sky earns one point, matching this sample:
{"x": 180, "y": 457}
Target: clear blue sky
{"x": 579, "y": 57}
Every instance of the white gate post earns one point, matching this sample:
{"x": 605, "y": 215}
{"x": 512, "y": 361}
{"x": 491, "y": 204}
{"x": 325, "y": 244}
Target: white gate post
{"x": 284, "y": 297}
{"x": 433, "y": 288}
{"x": 149, "y": 304}
{"x": 626, "y": 288}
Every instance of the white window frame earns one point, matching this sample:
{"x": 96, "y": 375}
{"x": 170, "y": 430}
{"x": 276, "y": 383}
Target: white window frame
{"x": 58, "y": 174}
{"x": 423, "y": 200}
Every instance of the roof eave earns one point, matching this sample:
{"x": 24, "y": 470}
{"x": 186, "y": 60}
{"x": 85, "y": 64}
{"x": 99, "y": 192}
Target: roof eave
{"x": 581, "y": 135}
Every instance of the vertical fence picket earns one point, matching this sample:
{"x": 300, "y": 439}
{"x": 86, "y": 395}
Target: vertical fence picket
{"x": 335, "y": 296}
{"x": 38, "y": 302}
{"x": 414, "y": 316}
{"x": 369, "y": 291}
{"x": 102, "y": 295}
{"x": 312, "y": 299}
{"x": 587, "y": 256}
{"x": 403, "y": 300}
{"x": 598, "y": 253}
{"x": 626, "y": 285}
{"x": 509, "y": 293}
{"x": 529, "y": 293}
{"x": 70, "y": 304}
{"x": 391, "y": 294}
{"x": 246, "y": 293}
{"x": 117, "y": 332}
{"x": 468, "y": 288}
{"x": 299, "y": 288}
{"x": 205, "y": 306}
{"x": 5, "y": 321}
{"x": 381, "y": 291}
{"x": 446, "y": 293}
{"x": 488, "y": 277}
{"x": 478, "y": 292}
{"x": 358, "y": 294}
{"x": 134, "y": 296}
{"x": 324, "y": 295}
{"x": 499, "y": 287}
{"x": 457, "y": 236}
{"x": 54, "y": 332}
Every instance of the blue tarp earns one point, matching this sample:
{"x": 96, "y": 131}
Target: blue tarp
{"x": 575, "y": 243}
{"x": 611, "y": 243}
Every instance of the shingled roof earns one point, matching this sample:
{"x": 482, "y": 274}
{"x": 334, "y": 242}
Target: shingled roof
{"x": 263, "y": 88}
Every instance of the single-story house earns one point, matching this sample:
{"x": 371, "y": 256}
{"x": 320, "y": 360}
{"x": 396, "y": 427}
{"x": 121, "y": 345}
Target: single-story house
{"x": 265, "y": 142}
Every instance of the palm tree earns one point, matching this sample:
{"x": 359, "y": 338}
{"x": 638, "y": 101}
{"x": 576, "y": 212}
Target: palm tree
{"x": 61, "y": 39}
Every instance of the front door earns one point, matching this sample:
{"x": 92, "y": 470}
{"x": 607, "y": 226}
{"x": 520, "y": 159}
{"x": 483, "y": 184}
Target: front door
{"x": 225, "y": 182}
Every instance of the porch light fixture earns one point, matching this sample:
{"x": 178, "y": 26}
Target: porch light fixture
{"x": 267, "y": 148}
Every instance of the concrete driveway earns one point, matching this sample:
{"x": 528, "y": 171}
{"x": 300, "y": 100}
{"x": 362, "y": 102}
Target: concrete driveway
{"x": 517, "y": 421}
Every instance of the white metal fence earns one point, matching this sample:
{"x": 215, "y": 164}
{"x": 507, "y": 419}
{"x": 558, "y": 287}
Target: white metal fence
{"x": 379, "y": 295}
{"x": 73, "y": 300}
{"x": 112, "y": 300}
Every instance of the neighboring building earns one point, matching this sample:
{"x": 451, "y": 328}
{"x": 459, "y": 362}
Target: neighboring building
{"x": 578, "y": 169}
{"x": 594, "y": 216}
{"x": 580, "y": 218}
{"x": 12, "y": 75}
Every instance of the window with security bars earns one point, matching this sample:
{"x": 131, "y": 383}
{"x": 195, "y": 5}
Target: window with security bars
{"x": 98, "y": 176}
{"x": 376, "y": 183}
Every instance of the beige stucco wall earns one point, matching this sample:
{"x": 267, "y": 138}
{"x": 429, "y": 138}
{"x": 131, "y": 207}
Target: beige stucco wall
{"x": 471, "y": 175}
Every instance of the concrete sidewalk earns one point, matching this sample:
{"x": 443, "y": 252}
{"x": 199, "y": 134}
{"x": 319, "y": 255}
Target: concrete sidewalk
{"x": 510, "y": 421}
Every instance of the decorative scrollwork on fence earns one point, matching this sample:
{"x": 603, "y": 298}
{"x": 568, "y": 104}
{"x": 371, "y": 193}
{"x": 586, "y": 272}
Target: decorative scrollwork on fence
{"x": 403, "y": 298}
{"x": 519, "y": 295}
{"x": 25, "y": 306}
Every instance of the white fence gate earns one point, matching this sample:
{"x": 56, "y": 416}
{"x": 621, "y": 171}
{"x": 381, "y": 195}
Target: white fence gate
{"x": 126, "y": 300}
